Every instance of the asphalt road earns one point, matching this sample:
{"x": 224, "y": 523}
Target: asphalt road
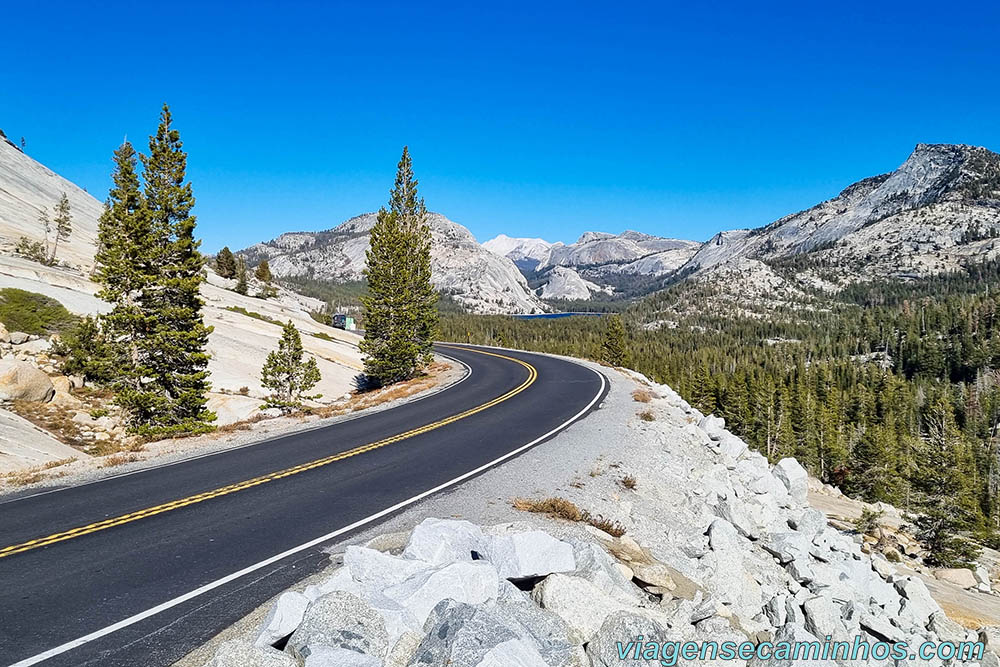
{"x": 140, "y": 569}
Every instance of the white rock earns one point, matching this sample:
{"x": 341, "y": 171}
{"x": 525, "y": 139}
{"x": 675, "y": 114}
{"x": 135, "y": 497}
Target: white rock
{"x": 882, "y": 565}
{"x": 469, "y": 582}
{"x": 238, "y": 653}
{"x": 714, "y": 426}
{"x": 583, "y": 606}
{"x": 529, "y": 554}
{"x": 960, "y": 576}
{"x": 18, "y": 337}
{"x": 331, "y": 656}
{"x": 467, "y": 636}
{"x": 731, "y": 445}
{"x": 810, "y": 521}
{"x": 917, "y": 605}
{"x": 620, "y": 628}
{"x": 340, "y": 620}
{"x": 823, "y": 617}
{"x": 794, "y": 633}
{"x": 36, "y": 346}
{"x": 20, "y": 381}
{"x": 794, "y": 477}
{"x": 786, "y": 547}
{"x": 597, "y": 566}
{"x": 442, "y": 541}
{"x": 375, "y": 569}
{"x": 285, "y": 615}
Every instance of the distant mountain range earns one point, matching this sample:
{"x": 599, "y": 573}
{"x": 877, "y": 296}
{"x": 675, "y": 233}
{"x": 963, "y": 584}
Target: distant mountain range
{"x": 939, "y": 210}
{"x": 478, "y": 280}
{"x": 595, "y": 264}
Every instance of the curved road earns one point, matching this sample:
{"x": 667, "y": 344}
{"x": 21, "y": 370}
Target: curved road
{"x": 143, "y": 567}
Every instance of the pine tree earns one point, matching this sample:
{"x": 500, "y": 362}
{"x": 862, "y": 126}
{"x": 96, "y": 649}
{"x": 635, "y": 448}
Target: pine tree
{"x": 400, "y": 308}
{"x": 286, "y": 373}
{"x": 241, "y": 276}
{"x": 63, "y": 225}
{"x": 46, "y": 224}
{"x": 125, "y": 271}
{"x": 614, "y": 346}
{"x": 263, "y": 272}
{"x": 225, "y": 263}
{"x": 177, "y": 342}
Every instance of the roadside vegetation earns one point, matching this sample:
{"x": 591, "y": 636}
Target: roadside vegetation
{"x": 400, "y": 306}
{"x": 890, "y": 393}
{"x": 33, "y": 313}
{"x": 53, "y": 230}
{"x": 149, "y": 350}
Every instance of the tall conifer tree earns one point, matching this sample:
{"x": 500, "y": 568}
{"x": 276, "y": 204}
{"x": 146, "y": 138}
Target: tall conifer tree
{"x": 179, "y": 335}
{"x": 401, "y": 304}
{"x": 125, "y": 271}
{"x": 64, "y": 225}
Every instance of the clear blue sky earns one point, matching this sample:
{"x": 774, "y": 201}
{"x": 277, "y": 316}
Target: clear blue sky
{"x": 534, "y": 119}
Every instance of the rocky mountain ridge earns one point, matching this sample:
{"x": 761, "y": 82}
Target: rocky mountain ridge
{"x": 938, "y": 210}
{"x": 595, "y": 262}
{"x": 477, "y": 279}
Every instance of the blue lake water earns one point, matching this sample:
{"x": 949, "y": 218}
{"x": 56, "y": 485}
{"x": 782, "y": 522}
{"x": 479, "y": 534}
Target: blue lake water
{"x": 555, "y": 316}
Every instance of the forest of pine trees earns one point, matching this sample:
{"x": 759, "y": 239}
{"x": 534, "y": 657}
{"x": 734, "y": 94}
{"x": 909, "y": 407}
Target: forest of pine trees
{"x": 898, "y": 402}
{"x": 150, "y": 271}
{"x": 400, "y": 305}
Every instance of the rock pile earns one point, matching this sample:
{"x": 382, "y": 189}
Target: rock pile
{"x": 720, "y": 546}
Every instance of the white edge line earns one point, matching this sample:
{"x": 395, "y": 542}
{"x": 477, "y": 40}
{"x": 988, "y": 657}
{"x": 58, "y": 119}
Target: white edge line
{"x": 86, "y": 639}
{"x": 194, "y": 457}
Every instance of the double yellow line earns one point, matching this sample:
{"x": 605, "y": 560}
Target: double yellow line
{"x": 281, "y": 474}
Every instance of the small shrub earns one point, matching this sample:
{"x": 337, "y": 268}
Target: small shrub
{"x": 33, "y": 313}
{"x": 97, "y": 413}
{"x": 647, "y": 416}
{"x": 629, "y": 482}
{"x": 244, "y": 391}
{"x": 642, "y": 396}
{"x": 33, "y": 250}
{"x": 869, "y": 521}
{"x": 85, "y": 351}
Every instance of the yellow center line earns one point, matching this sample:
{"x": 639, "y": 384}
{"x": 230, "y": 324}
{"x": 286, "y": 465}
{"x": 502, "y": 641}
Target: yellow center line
{"x": 270, "y": 477}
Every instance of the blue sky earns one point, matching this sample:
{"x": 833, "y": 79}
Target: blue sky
{"x": 533, "y": 119}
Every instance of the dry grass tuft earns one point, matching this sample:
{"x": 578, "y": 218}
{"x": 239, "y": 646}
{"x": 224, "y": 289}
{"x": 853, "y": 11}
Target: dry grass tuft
{"x": 612, "y": 528}
{"x": 560, "y": 508}
{"x": 555, "y": 507}
{"x": 647, "y": 416}
{"x": 35, "y": 473}
{"x": 629, "y": 482}
{"x": 119, "y": 459}
{"x": 369, "y": 399}
{"x": 642, "y": 395}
